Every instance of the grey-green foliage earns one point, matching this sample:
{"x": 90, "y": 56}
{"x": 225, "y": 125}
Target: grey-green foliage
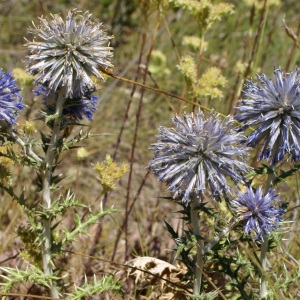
{"x": 31, "y": 274}
{"x": 288, "y": 278}
{"x": 80, "y": 226}
{"x": 96, "y": 287}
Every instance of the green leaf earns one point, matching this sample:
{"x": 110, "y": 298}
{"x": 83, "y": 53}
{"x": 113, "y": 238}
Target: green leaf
{"x": 96, "y": 287}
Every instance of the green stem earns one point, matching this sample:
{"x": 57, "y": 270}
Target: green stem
{"x": 264, "y": 247}
{"x": 199, "y": 258}
{"x": 46, "y": 192}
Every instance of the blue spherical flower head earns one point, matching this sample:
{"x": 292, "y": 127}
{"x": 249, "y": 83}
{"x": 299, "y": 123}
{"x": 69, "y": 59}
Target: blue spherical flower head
{"x": 10, "y": 99}
{"x": 74, "y": 109}
{"x": 78, "y": 109}
{"x": 273, "y": 107}
{"x": 68, "y": 53}
{"x": 257, "y": 211}
{"x": 199, "y": 154}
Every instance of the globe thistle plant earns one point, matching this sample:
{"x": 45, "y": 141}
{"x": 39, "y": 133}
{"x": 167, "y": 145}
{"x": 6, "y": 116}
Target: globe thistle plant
{"x": 77, "y": 109}
{"x": 74, "y": 109}
{"x": 273, "y": 107}
{"x": 10, "y": 99}
{"x": 69, "y": 53}
{"x": 200, "y": 153}
{"x": 257, "y": 210}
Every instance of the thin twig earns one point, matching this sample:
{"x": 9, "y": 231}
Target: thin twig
{"x": 129, "y": 212}
{"x": 256, "y": 40}
{"x": 291, "y": 54}
{"x": 138, "y": 115}
{"x": 214, "y": 286}
{"x": 109, "y": 72}
{"x": 130, "y": 267}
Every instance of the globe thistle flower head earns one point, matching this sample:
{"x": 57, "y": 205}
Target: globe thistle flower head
{"x": 10, "y": 99}
{"x": 199, "y": 154}
{"x": 273, "y": 108}
{"x": 257, "y": 211}
{"x": 74, "y": 109}
{"x": 69, "y": 53}
{"x": 77, "y": 109}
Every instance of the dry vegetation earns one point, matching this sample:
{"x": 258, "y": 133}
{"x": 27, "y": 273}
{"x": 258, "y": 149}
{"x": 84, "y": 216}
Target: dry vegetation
{"x": 250, "y": 41}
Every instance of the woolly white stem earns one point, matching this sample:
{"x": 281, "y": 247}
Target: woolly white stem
{"x": 199, "y": 258}
{"x": 27, "y": 148}
{"x": 263, "y": 261}
{"x": 264, "y": 247}
{"x": 46, "y": 193}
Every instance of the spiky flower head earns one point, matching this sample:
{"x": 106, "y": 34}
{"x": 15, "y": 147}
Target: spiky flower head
{"x": 10, "y": 99}
{"x": 200, "y": 153}
{"x": 273, "y": 108}
{"x": 75, "y": 109}
{"x": 68, "y": 53}
{"x": 257, "y": 210}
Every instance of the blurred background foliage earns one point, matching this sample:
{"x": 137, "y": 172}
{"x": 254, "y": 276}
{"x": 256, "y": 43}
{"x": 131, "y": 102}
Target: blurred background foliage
{"x": 150, "y": 39}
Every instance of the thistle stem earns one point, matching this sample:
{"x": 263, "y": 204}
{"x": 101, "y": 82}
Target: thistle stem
{"x": 223, "y": 233}
{"x": 199, "y": 257}
{"x": 264, "y": 247}
{"x": 26, "y": 147}
{"x": 46, "y": 193}
{"x": 263, "y": 260}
